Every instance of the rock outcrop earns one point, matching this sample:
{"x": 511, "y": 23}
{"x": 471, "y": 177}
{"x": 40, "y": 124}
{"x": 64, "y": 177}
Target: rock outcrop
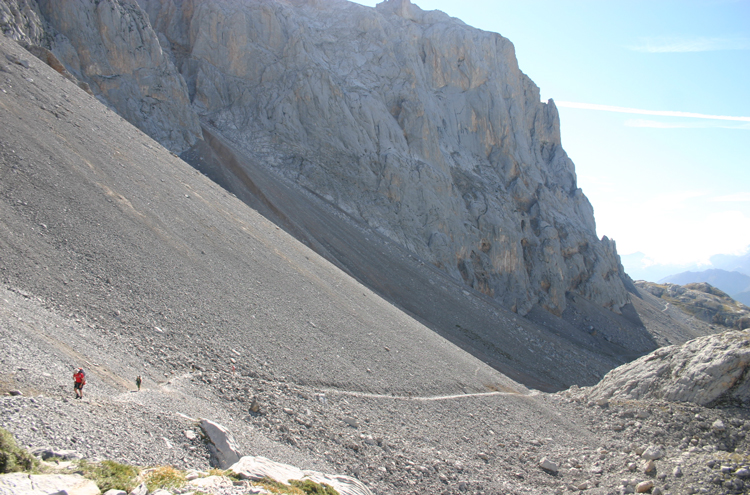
{"x": 702, "y": 301}
{"x": 708, "y": 371}
{"x": 46, "y": 484}
{"x": 410, "y": 121}
{"x": 258, "y": 468}
{"x": 221, "y": 444}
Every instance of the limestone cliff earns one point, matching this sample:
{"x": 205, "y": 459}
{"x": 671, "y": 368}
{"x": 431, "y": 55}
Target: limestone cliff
{"x": 417, "y": 124}
{"x": 110, "y": 45}
{"x": 410, "y": 121}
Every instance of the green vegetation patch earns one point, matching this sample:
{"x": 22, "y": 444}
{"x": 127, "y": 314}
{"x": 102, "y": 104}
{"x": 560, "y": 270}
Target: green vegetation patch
{"x": 12, "y": 457}
{"x": 296, "y": 487}
{"x": 110, "y": 475}
{"x": 164, "y": 477}
{"x": 309, "y": 487}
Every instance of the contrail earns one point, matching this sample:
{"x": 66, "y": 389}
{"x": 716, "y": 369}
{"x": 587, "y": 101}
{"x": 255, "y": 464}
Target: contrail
{"x": 639, "y": 111}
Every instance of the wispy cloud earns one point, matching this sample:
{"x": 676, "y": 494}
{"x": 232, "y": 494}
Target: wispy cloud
{"x": 684, "y": 45}
{"x": 640, "y": 111}
{"x": 683, "y": 125}
{"x": 742, "y": 197}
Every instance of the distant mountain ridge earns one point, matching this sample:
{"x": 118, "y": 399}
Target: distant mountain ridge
{"x": 735, "y": 284}
{"x": 640, "y": 267}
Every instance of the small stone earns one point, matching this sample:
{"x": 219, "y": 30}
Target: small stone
{"x": 652, "y": 453}
{"x": 115, "y": 492}
{"x": 632, "y": 466}
{"x": 726, "y": 469}
{"x": 548, "y": 465}
{"x": 190, "y": 435}
{"x": 140, "y": 490}
{"x": 656, "y": 491}
{"x": 15, "y": 392}
{"x": 743, "y": 472}
{"x": 649, "y": 466}
{"x": 718, "y": 425}
{"x": 644, "y": 486}
{"x": 604, "y": 402}
{"x": 351, "y": 422}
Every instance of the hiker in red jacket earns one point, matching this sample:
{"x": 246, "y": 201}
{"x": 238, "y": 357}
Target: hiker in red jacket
{"x": 79, "y": 378}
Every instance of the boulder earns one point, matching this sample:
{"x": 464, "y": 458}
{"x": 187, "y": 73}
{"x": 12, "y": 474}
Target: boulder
{"x": 708, "y": 371}
{"x": 221, "y": 444}
{"x": 46, "y": 484}
{"x": 256, "y": 468}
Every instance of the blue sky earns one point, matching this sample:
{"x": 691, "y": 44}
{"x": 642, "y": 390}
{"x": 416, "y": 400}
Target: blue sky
{"x": 654, "y": 101}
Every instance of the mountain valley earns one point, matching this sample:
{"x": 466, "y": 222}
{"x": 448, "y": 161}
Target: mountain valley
{"x": 230, "y": 263}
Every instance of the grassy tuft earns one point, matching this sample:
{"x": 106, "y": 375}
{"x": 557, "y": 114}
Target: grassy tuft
{"x": 310, "y": 487}
{"x": 12, "y": 457}
{"x": 110, "y": 475}
{"x": 274, "y": 486}
{"x": 164, "y": 477}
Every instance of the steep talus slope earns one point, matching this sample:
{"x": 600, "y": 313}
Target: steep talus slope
{"x": 102, "y": 223}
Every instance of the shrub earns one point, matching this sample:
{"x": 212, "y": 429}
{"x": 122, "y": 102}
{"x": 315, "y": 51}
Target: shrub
{"x": 12, "y": 457}
{"x": 312, "y": 488}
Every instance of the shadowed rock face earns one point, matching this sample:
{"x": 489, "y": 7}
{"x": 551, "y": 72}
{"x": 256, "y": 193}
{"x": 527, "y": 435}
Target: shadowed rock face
{"x": 410, "y": 121}
{"x": 110, "y": 45}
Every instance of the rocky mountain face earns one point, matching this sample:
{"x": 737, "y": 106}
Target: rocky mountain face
{"x": 110, "y": 45}
{"x": 410, "y": 122}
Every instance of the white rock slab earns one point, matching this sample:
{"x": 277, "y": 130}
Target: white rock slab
{"x": 255, "y": 468}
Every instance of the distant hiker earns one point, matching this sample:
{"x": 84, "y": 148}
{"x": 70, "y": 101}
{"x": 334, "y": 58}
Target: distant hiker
{"x": 79, "y": 378}
{"x": 138, "y": 382}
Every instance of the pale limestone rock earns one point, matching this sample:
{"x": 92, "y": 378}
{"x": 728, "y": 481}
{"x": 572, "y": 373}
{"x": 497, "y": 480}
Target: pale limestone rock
{"x": 20, "y": 20}
{"x": 707, "y": 371}
{"x": 255, "y": 468}
{"x": 644, "y": 486}
{"x": 652, "y": 452}
{"x": 548, "y": 465}
{"x": 211, "y": 484}
{"x": 46, "y": 484}
{"x": 221, "y": 444}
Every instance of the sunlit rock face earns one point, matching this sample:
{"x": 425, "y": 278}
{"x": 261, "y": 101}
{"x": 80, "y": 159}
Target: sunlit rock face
{"x": 410, "y": 121}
